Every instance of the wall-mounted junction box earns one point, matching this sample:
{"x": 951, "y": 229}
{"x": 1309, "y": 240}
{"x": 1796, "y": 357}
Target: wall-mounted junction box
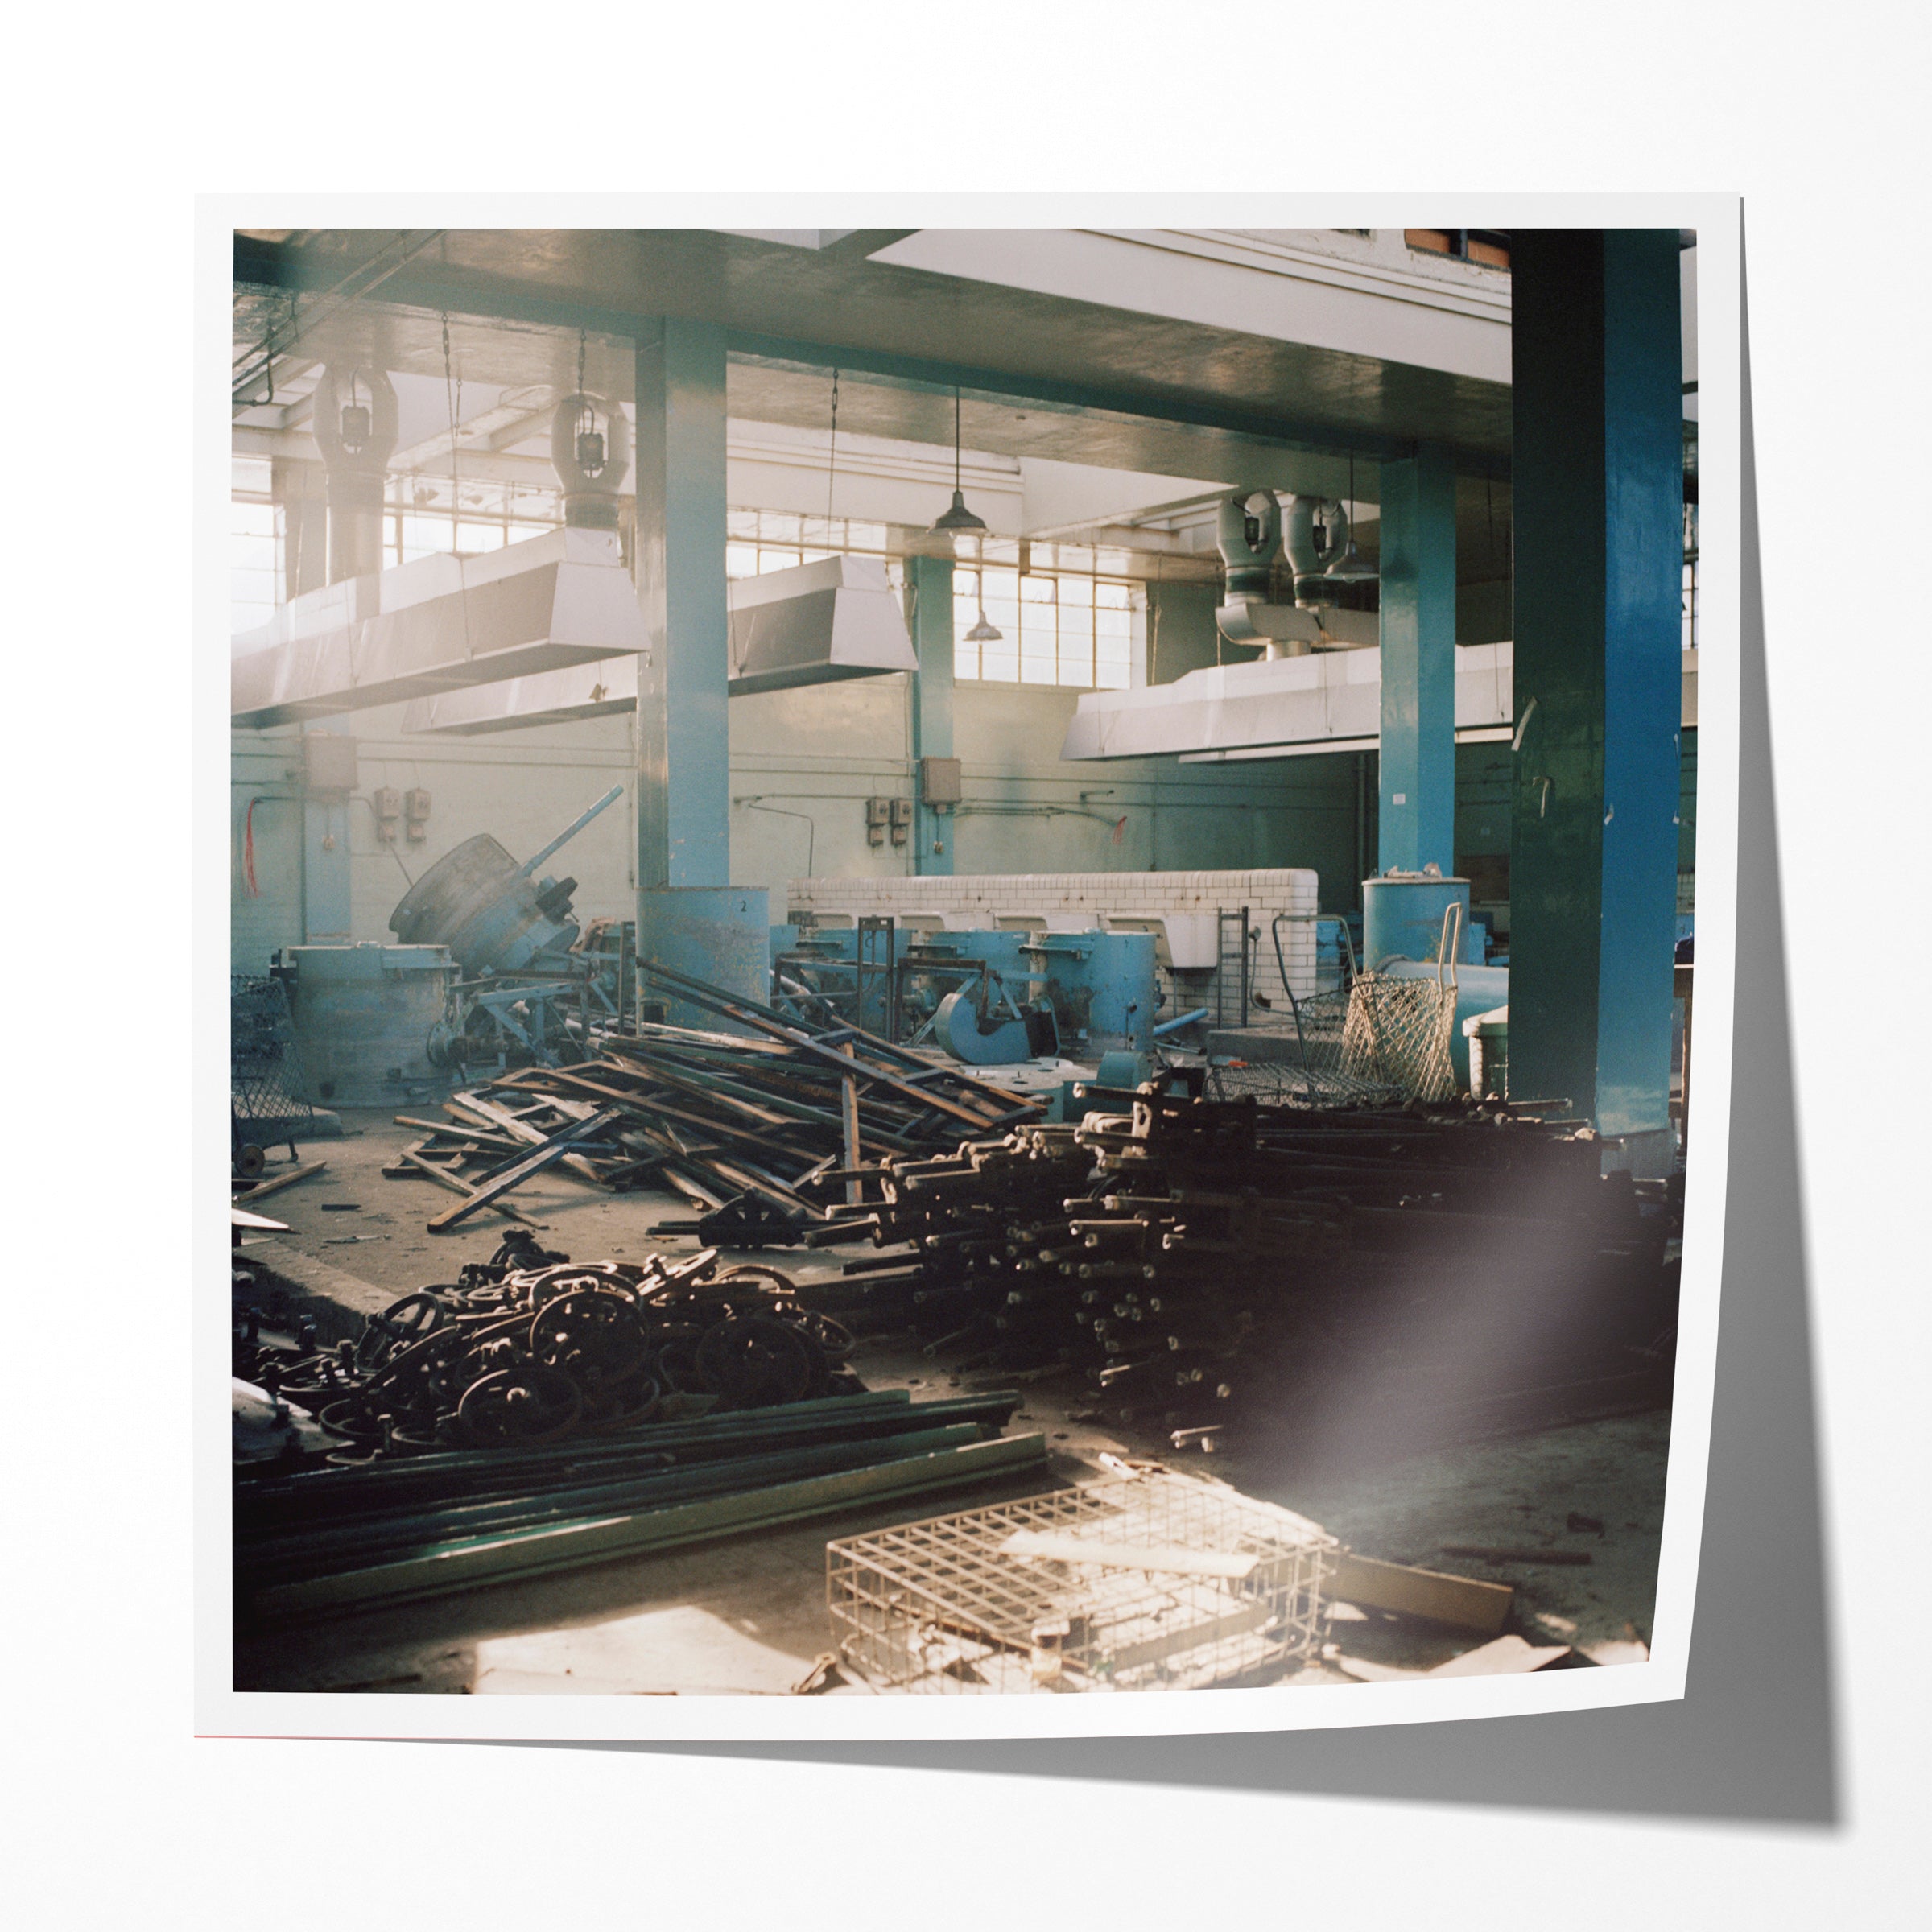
{"x": 388, "y": 803}
{"x": 878, "y": 814}
{"x": 940, "y": 783}
{"x": 416, "y": 813}
{"x": 901, "y": 820}
{"x": 328, "y": 764}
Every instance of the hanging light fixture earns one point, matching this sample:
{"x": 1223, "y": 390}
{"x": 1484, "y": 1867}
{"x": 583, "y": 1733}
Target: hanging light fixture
{"x": 1351, "y": 566}
{"x": 984, "y": 632}
{"x": 958, "y": 518}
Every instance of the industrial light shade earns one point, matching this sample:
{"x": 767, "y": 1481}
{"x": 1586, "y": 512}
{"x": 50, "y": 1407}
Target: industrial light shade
{"x": 983, "y": 633}
{"x": 1351, "y": 566}
{"x": 959, "y": 519}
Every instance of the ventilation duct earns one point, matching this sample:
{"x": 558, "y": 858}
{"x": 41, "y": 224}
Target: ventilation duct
{"x": 439, "y": 624}
{"x": 814, "y": 624}
{"x": 1251, "y": 532}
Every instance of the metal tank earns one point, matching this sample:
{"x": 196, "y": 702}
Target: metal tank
{"x": 367, "y": 1019}
{"x": 1402, "y": 916}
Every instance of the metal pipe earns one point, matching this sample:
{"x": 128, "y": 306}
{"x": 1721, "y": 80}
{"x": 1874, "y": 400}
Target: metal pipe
{"x": 571, "y": 831}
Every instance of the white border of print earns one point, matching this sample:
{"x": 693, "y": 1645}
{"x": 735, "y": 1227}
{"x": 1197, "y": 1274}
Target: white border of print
{"x": 220, "y": 1710}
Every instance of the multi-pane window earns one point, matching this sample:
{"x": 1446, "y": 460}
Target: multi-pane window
{"x": 1490, "y": 246}
{"x": 417, "y": 521}
{"x": 1056, "y": 627}
{"x": 760, "y": 541}
{"x": 254, "y": 544}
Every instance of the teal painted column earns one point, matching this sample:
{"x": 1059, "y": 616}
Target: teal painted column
{"x": 1417, "y": 801}
{"x": 929, "y": 615}
{"x": 683, "y": 743}
{"x": 1598, "y": 483}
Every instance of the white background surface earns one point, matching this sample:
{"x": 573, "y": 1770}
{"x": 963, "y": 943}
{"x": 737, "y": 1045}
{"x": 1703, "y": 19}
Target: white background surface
{"x": 120, "y": 1817}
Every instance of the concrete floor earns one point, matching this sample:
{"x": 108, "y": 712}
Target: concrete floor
{"x": 747, "y": 1614}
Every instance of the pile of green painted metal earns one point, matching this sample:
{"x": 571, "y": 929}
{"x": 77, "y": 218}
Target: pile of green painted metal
{"x": 1221, "y": 1268}
{"x": 332, "y": 1538}
{"x": 538, "y": 1414}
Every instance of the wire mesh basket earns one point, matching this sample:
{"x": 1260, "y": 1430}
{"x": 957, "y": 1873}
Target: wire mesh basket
{"x": 1153, "y": 1582}
{"x": 267, "y": 1100}
{"x": 1397, "y": 1034}
{"x": 1299, "y": 1063}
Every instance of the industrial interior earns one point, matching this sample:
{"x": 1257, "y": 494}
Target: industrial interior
{"x": 961, "y": 960}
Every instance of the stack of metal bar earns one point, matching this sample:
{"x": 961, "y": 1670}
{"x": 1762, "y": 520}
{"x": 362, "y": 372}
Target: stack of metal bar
{"x": 1215, "y": 1267}
{"x": 745, "y": 1123}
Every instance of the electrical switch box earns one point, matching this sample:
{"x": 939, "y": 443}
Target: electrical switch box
{"x": 901, "y": 820}
{"x": 878, "y": 813}
{"x": 416, "y": 813}
{"x": 939, "y": 783}
{"x": 388, "y": 803}
{"x": 328, "y": 764}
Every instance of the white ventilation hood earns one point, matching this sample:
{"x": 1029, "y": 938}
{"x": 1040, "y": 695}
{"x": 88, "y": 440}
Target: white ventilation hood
{"x": 813, "y": 624}
{"x": 438, "y": 625}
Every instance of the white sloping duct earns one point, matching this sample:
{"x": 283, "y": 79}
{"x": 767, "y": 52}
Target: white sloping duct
{"x": 439, "y": 625}
{"x": 1291, "y": 706}
{"x": 814, "y": 624}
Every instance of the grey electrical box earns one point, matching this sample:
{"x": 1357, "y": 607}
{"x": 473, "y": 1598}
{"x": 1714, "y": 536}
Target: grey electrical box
{"x": 328, "y": 764}
{"x": 901, "y": 820}
{"x": 415, "y": 809}
{"x": 878, "y": 811}
{"x": 939, "y": 783}
{"x": 388, "y": 803}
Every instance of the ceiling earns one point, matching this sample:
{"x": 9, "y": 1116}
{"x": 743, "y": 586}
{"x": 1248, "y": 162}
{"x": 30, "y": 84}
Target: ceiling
{"x": 1040, "y": 375}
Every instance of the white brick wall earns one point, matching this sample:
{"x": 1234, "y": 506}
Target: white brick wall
{"x": 1132, "y": 901}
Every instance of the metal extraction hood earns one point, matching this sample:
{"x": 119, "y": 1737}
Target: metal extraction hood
{"x": 814, "y": 624}
{"x": 438, "y": 625}
{"x": 1291, "y": 707}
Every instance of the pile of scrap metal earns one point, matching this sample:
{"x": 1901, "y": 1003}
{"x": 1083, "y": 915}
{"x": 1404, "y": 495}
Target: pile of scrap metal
{"x": 1414, "y": 1275}
{"x": 540, "y": 1415}
{"x": 753, "y": 1127}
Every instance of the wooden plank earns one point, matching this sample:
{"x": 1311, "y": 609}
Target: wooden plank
{"x": 848, "y": 1119}
{"x": 1460, "y": 1600}
{"x": 281, "y": 1181}
{"x": 444, "y": 1178}
{"x": 493, "y": 1116}
{"x": 513, "y": 1174}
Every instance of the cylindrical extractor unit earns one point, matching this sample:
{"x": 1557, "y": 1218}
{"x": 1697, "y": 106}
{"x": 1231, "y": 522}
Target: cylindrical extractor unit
{"x": 491, "y": 913}
{"x": 369, "y": 1020}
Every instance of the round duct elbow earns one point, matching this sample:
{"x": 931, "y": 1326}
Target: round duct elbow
{"x": 1247, "y": 533}
{"x": 1316, "y": 532}
{"x": 590, "y": 449}
{"x": 354, "y": 420}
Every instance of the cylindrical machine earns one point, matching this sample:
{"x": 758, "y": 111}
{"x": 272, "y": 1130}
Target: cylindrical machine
{"x": 363, "y": 1017}
{"x": 1403, "y": 915}
{"x": 478, "y": 901}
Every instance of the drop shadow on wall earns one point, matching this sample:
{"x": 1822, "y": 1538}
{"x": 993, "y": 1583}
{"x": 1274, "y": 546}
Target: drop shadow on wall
{"x": 1755, "y": 1738}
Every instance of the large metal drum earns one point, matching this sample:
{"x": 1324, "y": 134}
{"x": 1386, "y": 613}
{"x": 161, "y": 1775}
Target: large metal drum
{"x": 478, "y": 902}
{"x": 1402, "y": 916}
{"x": 363, "y": 1017}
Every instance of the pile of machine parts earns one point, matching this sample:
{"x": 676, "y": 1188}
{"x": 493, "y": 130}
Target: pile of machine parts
{"x": 741, "y": 1124}
{"x": 541, "y": 1412}
{"x": 1316, "y": 1280}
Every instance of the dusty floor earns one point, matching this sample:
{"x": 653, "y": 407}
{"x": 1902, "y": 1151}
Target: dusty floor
{"x": 748, "y": 1614}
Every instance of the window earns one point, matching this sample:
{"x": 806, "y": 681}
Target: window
{"x": 1058, "y": 626}
{"x": 1690, "y": 611}
{"x": 254, "y": 545}
{"x": 758, "y": 542}
{"x": 1489, "y": 247}
{"x": 417, "y": 522}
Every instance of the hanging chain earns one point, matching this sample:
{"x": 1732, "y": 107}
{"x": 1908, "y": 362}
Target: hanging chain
{"x": 832, "y": 466}
{"x": 453, "y": 392}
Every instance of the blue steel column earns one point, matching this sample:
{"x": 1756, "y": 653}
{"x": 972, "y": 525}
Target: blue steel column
{"x": 1417, "y": 801}
{"x": 929, "y": 597}
{"x": 1598, "y": 490}
{"x": 683, "y": 744}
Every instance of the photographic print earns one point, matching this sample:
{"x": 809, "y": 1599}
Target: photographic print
{"x": 963, "y": 962}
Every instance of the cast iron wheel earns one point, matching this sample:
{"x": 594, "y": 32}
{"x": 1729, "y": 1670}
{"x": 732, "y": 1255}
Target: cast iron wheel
{"x": 590, "y": 1331}
{"x": 755, "y": 1361}
{"x": 525, "y": 1405}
